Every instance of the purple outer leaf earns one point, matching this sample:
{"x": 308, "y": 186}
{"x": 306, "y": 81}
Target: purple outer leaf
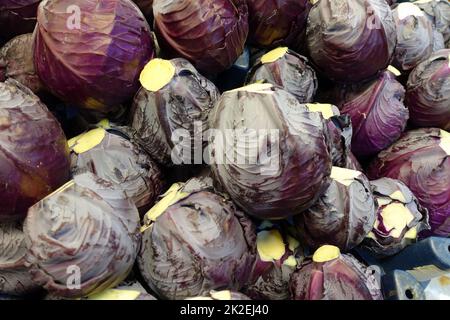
{"x": 377, "y": 112}
{"x": 97, "y": 65}
{"x": 419, "y": 161}
{"x": 210, "y": 34}
{"x": 428, "y": 92}
{"x": 34, "y": 156}
{"x": 351, "y": 40}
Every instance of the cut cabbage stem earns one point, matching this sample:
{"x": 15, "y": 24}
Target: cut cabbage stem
{"x": 221, "y": 295}
{"x": 344, "y": 176}
{"x": 270, "y": 245}
{"x": 157, "y": 74}
{"x": 326, "y": 253}
{"x": 274, "y": 55}
{"x": 257, "y": 88}
{"x": 325, "y": 109}
{"x": 445, "y": 141}
{"x": 86, "y": 141}
{"x": 396, "y": 217}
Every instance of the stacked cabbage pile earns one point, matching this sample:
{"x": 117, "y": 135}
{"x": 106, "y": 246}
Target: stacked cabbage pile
{"x": 125, "y": 172}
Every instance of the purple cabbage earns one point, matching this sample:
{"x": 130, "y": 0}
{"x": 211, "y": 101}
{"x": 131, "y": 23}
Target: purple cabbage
{"x": 34, "y": 156}
{"x": 278, "y": 255}
{"x": 179, "y": 106}
{"x": 400, "y": 218}
{"x": 337, "y": 277}
{"x": 290, "y": 71}
{"x": 209, "y": 33}
{"x": 94, "y": 65}
{"x": 195, "y": 241}
{"x": 421, "y": 160}
{"x": 415, "y": 36}
{"x": 82, "y": 239}
{"x": 343, "y": 216}
{"x": 351, "y": 40}
{"x": 17, "y": 62}
{"x": 15, "y": 279}
{"x": 428, "y": 92}
{"x": 115, "y": 157}
{"x": 378, "y": 114}
{"x": 268, "y": 151}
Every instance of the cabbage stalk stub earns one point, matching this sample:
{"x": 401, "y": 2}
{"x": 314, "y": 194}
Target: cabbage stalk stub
{"x": 351, "y": 40}
{"x": 89, "y": 224}
{"x": 34, "y": 157}
{"x": 428, "y": 92}
{"x": 278, "y": 255}
{"x": 421, "y": 160}
{"x": 95, "y": 66}
{"x": 284, "y": 182}
{"x": 210, "y": 34}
